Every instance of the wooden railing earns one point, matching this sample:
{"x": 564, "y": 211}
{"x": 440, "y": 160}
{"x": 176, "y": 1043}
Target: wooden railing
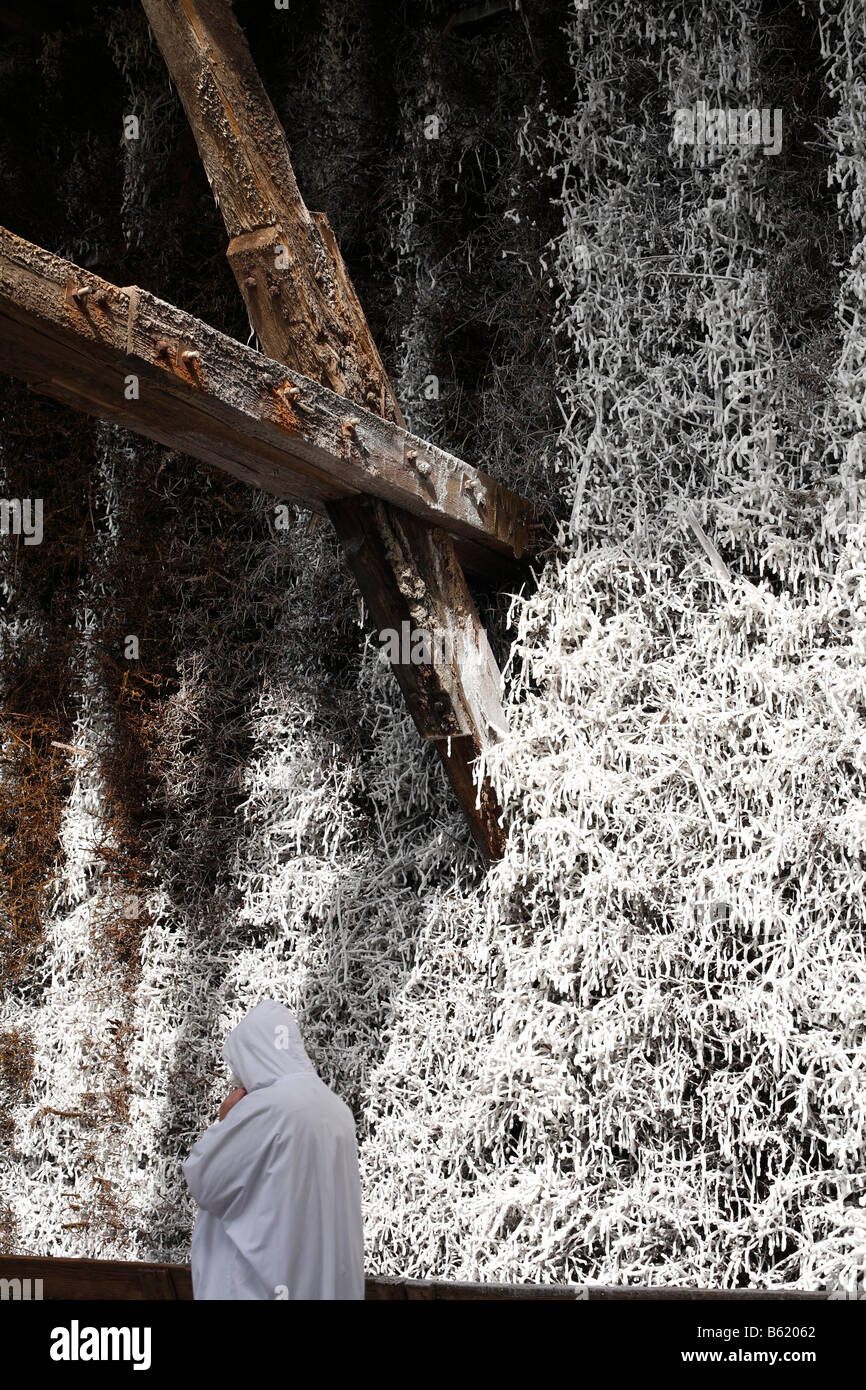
{"x": 126, "y": 1279}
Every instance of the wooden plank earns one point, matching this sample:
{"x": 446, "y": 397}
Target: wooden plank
{"x": 394, "y": 1289}
{"x": 94, "y": 1279}
{"x": 304, "y": 308}
{"x": 65, "y": 1278}
{"x": 228, "y": 405}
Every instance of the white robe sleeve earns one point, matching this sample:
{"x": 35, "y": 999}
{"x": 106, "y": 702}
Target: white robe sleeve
{"x": 228, "y": 1158}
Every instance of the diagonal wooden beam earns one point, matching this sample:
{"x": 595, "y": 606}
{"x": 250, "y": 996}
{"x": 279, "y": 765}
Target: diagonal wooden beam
{"x": 413, "y": 585}
{"x": 227, "y": 404}
{"x": 302, "y": 303}
{"x": 303, "y": 307}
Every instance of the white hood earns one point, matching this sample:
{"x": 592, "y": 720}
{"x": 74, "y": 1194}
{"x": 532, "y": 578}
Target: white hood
{"x": 266, "y": 1046}
{"x": 277, "y": 1180}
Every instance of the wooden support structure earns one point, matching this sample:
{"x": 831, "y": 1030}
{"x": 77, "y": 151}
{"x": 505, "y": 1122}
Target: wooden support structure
{"x": 304, "y": 308}
{"x": 315, "y": 422}
{"x": 204, "y": 394}
{"x": 412, "y": 583}
{"x": 298, "y": 292}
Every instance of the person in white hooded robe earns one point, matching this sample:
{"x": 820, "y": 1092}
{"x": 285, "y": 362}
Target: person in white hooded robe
{"x": 276, "y": 1178}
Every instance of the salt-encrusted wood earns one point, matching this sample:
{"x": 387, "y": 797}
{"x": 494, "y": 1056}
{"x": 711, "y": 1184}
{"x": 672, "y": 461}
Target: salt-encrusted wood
{"x": 298, "y": 292}
{"x": 413, "y": 586}
{"x": 78, "y": 338}
{"x": 304, "y": 308}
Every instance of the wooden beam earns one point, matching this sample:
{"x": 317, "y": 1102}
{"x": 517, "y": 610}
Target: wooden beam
{"x": 304, "y": 308}
{"x": 298, "y": 292}
{"x": 206, "y": 395}
{"x": 414, "y": 586}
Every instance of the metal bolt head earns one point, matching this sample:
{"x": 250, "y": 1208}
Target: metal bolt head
{"x": 81, "y": 293}
{"x": 250, "y": 282}
{"x": 190, "y": 356}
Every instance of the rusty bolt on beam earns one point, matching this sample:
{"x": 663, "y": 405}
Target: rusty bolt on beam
{"x": 351, "y": 424}
{"x": 190, "y": 356}
{"x": 420, "y": 465}
{"x": 100, "y": 297}
{"x": 250, "y": 282}
{"x": 81, "y": 293}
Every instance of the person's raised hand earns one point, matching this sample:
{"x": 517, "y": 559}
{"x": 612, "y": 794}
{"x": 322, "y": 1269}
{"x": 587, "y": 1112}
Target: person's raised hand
{"x": 230, "y": 1100}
